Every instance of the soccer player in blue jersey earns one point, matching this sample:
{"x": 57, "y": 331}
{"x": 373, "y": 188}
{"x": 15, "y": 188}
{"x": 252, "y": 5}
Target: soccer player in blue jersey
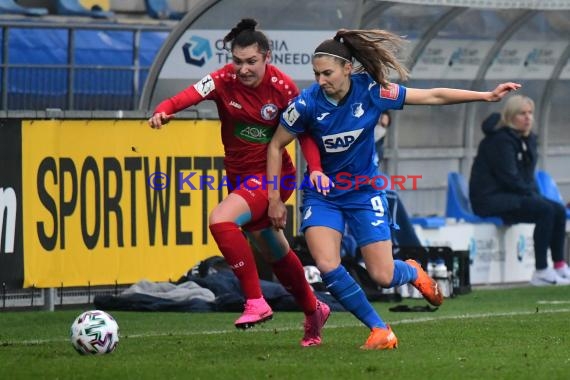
{"x": 340, "y": 111}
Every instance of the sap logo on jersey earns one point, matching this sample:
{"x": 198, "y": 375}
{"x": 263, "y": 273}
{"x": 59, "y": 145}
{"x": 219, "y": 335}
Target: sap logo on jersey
{"x": 341, "y": 141}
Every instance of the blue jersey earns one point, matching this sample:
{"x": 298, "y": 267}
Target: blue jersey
{"x": 344, "y": 132}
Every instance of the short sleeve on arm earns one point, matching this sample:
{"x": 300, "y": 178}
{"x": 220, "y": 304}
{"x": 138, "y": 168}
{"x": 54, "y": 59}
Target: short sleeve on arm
{"x": 391, "y": 98}
{"x": 294, "y": 115}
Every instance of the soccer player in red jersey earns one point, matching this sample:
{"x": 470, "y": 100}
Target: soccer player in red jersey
{"x": 250, "y": 95}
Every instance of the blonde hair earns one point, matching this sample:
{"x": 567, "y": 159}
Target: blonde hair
{"x": 513, "y": 106}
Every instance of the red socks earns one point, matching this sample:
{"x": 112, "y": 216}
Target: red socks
{"x": 291, "y": 275}
{"x": 237, "y": 252}
{"x": 289, "y": 270}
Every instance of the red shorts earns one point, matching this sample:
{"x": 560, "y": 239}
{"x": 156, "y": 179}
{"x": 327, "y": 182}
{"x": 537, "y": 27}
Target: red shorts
{"x": 254, "y": 188}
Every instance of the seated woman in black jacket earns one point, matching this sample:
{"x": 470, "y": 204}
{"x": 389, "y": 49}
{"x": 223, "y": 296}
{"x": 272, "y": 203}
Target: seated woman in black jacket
{"x": 502, "y": 184}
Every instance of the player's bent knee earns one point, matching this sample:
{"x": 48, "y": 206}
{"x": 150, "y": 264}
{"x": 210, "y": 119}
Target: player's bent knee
{"x": 381, "y": 277}
{"x": 216, "y": 216}
{"x": 327, "y": 265}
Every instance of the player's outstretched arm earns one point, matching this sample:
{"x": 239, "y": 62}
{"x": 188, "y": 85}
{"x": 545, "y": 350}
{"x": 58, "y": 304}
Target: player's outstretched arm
{"x": 166, "y": 109}
{"x": 502, "y": 90}
{"x": 441, "y": 96}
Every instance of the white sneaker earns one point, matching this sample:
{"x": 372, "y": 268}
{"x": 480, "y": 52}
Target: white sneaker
{"x": 564, "y": 272}
{"x": 548, "y": 276}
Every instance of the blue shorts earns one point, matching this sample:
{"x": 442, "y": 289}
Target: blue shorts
{"x": 365, "y": 211}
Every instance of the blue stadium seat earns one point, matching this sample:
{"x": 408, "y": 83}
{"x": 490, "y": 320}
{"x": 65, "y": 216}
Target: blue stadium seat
{"x": 428, "y": 221}
{"x": 159, "y": 9}
{"x": 458, "y": 205}
{"x": 548, "y": 188}
{"x": 10, "y": 7}
{"x": 74, "y": 8}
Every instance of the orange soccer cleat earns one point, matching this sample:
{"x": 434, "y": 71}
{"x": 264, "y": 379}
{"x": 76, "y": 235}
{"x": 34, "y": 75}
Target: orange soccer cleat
{"x": 427, "y": 286}
{"x": 381, "y": 339}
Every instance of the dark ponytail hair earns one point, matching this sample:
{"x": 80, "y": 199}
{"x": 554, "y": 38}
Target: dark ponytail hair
{"x": 375, "y": 50}
{"x": 244, "y": 34}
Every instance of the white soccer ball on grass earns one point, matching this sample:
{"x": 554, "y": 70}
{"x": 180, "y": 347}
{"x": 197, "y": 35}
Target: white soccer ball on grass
{"x": 94, "y": 332}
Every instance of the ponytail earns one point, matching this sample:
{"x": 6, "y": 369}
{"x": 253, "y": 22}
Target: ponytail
{"x": 376, "y": 50}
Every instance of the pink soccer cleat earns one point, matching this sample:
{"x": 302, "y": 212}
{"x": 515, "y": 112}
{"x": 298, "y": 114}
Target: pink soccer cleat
{"x": 314, "y": 324}
{"x": 255, "y": 311}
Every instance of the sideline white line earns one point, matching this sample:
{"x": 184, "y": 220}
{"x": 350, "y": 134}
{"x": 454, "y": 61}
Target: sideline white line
{"x": 272, "y": 330}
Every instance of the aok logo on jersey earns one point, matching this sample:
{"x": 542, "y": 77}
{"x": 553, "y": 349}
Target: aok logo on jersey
{"x": 254, "y": 133}
{"x": 340, "y": 142}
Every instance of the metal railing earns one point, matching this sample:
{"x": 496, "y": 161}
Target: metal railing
{"x": 51, "y": 298}
{"x": 69, "y": 85}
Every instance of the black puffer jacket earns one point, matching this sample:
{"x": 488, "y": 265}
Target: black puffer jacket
{"x": 503, "y": 170}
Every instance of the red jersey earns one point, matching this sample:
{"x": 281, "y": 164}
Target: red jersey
{"x": 249, "y": 116}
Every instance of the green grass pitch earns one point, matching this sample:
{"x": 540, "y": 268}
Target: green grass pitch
{"x": 514, "y": 333}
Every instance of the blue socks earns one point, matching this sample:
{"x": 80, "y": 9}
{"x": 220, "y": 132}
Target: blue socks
{"x": 403, "y": 273}
{"x": 350, "y": 295}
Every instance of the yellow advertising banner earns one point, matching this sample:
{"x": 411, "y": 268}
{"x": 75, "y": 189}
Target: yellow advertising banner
{"x": 115, "y": 202}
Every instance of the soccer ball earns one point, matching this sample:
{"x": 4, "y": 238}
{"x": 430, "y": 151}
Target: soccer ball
{"x": 94, "y": 332}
